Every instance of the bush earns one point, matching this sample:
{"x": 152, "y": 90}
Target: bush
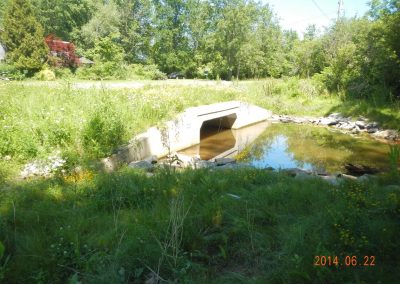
{"x": 102, "y": 71}
{"x": 16, "y": 142}
{"x": 113, "y": 70}
{"x": 10, "y": 72}
{"x": 205, "y": 72}
{"x": 152, "y": 72}
{"x": 63, "y": 73}
{"x": 103, "y": 132}
{"x": 45, "y": 75}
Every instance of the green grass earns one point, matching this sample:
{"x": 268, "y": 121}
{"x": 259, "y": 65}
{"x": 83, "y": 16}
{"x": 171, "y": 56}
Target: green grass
{"x": 386, "y": 114}
{"x": 36, "y": 119}
{"x": 117, "y": 228}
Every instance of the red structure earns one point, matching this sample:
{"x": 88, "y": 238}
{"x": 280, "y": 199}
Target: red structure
{"x": 62, "y": 53}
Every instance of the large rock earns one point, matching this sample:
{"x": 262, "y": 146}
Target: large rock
{"x": 361, "y": 124}
{"x": 372, "y": 125}
{"x": 389, "y": 134}
{"x": 43, "y": 168}
{"x": 224, "y": 161}
{"x": 348, "y": 126}
{"x": 328, "y": 121}
{"x": 146, "y": 165}
{"x": 184, "y": 161}
{"x": 201, "y": 164}
{"x": 295, "y": 171}
{"x": 359, "y": 170}
{"x": 372, "y": 130}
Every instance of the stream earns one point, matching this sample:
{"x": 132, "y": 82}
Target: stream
{"x": 286, "y": 145}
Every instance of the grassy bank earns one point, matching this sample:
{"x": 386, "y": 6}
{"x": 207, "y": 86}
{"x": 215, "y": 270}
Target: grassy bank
{"x": 36, "y": 120}
{"x": 197, "y": 226}
{"x": 244, "y": 226}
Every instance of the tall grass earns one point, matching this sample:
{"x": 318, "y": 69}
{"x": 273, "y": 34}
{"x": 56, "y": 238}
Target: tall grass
{"x": 198, "y": 226}
{"x": 187, "y": 227}
{"x": 35, "y": 120}
{"x": 394, "y": 159}
{"x": 38, "y": 119}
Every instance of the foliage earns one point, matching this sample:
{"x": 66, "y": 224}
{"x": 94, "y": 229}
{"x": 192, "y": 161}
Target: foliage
{"x": 10, "y": 72}
{"x": 59, "y": 113}
{"x": 394, "y": 159}
{"x": 3, "y": 6}
{"x": 3, "y": 261}
{"x": 63, "y": 18}
{"x": 63, "y": 73}
{"x": 23, "y": 37}
{"x": 136, "y": 29}
{"x": 139, "y": 71}
{"x": 45, "y": 75}
{"x": 104, "y": 23}
{"x": 355, "y": 58}
{"x": 108, "y": 60}
{"x": 103, "y": 132}
{"x": 124, "y": 226}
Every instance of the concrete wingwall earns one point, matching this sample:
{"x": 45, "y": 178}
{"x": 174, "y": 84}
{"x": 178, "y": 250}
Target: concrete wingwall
{"x": 184, "y": 130}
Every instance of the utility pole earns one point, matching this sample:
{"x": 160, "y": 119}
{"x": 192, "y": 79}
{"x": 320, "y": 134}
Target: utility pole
{"x": 340, "y": 11}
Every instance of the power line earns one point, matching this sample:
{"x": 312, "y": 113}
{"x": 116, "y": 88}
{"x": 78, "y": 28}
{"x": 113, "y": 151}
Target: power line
{"x": 319, "y": 8}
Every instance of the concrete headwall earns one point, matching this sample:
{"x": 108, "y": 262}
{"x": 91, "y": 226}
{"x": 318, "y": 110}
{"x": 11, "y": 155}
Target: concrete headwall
{"x": 184, "y": 130}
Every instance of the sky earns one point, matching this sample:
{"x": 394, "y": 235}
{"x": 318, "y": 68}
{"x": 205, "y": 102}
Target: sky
{"x": 298, "y": 14}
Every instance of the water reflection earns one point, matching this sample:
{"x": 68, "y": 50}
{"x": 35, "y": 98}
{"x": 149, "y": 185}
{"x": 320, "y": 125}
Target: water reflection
{"x": 222, "y": 143}
{"x": 313, "y": 148}
{"x": 277, "y": 155}
{"x": 289, "y": 146}
{"x": 214, "y": 142}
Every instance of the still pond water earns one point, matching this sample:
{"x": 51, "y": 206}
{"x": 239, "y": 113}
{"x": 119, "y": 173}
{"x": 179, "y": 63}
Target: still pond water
{"x": 282, "y": 146}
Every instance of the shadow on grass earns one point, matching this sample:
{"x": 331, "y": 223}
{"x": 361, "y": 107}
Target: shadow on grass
{"x": 248, "y": 224}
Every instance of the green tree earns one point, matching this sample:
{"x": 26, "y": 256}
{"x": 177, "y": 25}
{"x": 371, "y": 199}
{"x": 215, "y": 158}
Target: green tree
{"x": 104, "y": 22}
{"x": 271, "y": 43}
{"x": 308, "y": 57}
{"x": 136, "y": 29}
{"x": 233, "y": 28}
{"x": 171, "y": 49}
{"x": 64, "y": 18}
{"x": 3, "y": 6}
{"x": 23, "y": 37}
{"x": 108, "y": 57}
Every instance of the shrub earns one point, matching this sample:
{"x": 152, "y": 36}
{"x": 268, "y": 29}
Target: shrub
{"x": 63, "y": 73}
{"x": 23, "y": 36}
{"x": 114, "y": 70}
{"x": 10, "y": 72}
{"x": 101, "y": 71}
{"x": 205, "y": 71}
{"x": 46, "y": 75}
{"x": 153, "y": 73}
{"x": 17, "y": 143}
{"x": 103, "y": 132}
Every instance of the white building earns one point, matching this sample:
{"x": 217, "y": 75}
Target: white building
{"x": 2, "y": 53}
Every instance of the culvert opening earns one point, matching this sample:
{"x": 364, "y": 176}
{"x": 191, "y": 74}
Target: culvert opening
{"x": 214, "y": 126}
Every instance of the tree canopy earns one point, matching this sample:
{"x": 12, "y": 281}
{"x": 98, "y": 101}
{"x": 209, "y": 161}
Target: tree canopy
{"x": 224, "y": 39}
{"x": 23, "y": 37}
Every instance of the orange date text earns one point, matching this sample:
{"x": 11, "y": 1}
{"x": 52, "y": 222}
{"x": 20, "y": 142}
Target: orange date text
{"x": 348, "y": 260}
